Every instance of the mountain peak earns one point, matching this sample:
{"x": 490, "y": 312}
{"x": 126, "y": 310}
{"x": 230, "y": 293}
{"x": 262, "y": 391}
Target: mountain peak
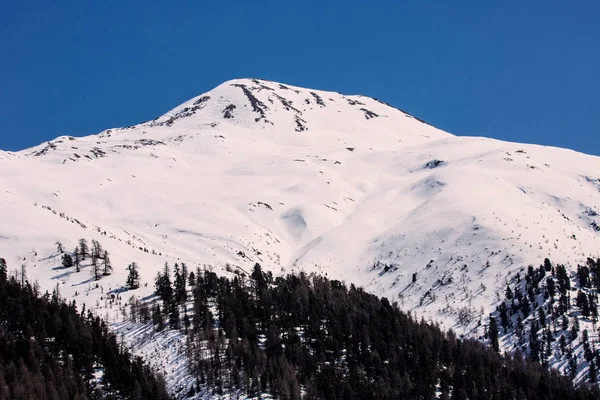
{"x": 260, "y": 103}
{"x": 273, "y": 111}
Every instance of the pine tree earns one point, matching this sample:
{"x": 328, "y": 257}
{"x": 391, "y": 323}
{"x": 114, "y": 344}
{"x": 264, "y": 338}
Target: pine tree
{"x": 547, "y": 265}
{"x": 133, "y": 278}
{"x": 59, "y": 247}
{"x": 582, "y": 303}
{"x": 534, "y": 343}
{"x": 508, "y": 293}
{"x": 574, "y": 329}
{"x": 23, "y": 274}
{"x": 173, "y": 315}
{"x": 551, "y": 287}
{"x": 157, "y": 318}
{"x": 592, "y": 371}
{"x": 83, "y": 248}
{"x": 97, "y": 250}
{"x": 106, "y": 263}
{"x": 163, "y": 285}
{"x": 572, "y": 364}
{"x": 96, "y": 269}
{"x": 493, "y": 333}
{"x": 67, "y": 260}
{"x": 77, "y": 258}
{"x": 3, "y": 268}
{"x": 180, "y": 284}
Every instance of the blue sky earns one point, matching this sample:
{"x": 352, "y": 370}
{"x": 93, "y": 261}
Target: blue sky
{"x": 525, "y": 71}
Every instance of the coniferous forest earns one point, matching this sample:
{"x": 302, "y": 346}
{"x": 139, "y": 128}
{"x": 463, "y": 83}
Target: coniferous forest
{"x": 50, "y": 350}
{"x": 312, "y": 338}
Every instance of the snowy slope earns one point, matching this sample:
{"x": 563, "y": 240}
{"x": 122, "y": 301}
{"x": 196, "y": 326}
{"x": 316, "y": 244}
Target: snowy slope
{"x": 293, "y": 178}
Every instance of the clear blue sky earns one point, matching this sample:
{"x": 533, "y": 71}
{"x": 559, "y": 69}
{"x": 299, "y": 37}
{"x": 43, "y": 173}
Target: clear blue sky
{"x": 524, "y": 71}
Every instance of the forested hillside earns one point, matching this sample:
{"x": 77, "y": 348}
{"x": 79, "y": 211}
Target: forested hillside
{"x": 312, "y": 338}
{"x": 50, "y": 350}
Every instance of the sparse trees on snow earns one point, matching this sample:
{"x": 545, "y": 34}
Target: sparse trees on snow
{"x": 106, "y": 264}
{"x": 77, "y": 258}
{"x": 133, "y": 278}
{"x": 67, "y": 260}
{"x": 95, "y": 269}
{"x": 83, "y": 248}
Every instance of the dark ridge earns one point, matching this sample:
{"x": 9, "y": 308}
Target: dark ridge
{"x": 433, "y": 164}
{"x": 300, "y": 124}
{"x": 257, "y": 105}
{"x": 261, "y": 85}
{"x": 265, "y": 205}
{"x": 318, "y": 99}
{"x": 45, "y": 150}
{"x": 369, "y": 114}
{"x": 183, "y": 113}
{"x": 97, "y": 152}
{"x": 287, "y": 104}
{"x": 228, "y": 111}
{"x": 201, "y": 100}
{"x": 354, "y": 102}
{"x": 149, "y": 142}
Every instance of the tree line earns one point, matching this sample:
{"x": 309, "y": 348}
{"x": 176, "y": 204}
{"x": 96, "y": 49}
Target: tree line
{"x": 307, "y": 337}
{"x": 51, "y": 350}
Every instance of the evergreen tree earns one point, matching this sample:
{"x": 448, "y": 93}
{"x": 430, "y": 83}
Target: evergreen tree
{"x": 592, "y": 372}
{"x": 133, "y": 277}
{"x": 23, "y": 274}
{"x": 574, "y": 329}
{"x": 67, "y": 260}
{"x": 547, "y": 265}
{"x": 83, "y": 248}
{"x": 96, "y": 273}
{"x": 157, "y": 318}
{"x": 180, "y": 290}
{"x": 59, "y": 247}
{"x": 582, "y": 303}
{"x": 77, "y": 258}
{"x": 3, "y": 269}
{"x": 572, "y": 364}
{"x": 96, "y": 251}
{"x": 493, "y": 334}
{"x": 163, "y": 285}
{"x": 551, "y": 287}
{"x": 508, "y": 293}
{"x": 192, "y": 279}
{"x": 107, "y": 266}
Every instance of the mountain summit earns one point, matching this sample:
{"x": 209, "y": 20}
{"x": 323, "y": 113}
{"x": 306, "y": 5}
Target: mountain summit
{"x": 273, "y": 112}
{"x": 298, "y": 179}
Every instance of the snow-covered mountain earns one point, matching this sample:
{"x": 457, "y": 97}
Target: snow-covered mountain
{"x": 300, "y": 179}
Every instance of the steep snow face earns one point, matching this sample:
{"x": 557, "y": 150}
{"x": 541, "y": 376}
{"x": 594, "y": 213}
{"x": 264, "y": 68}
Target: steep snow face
{"x": 300, "y": 179}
